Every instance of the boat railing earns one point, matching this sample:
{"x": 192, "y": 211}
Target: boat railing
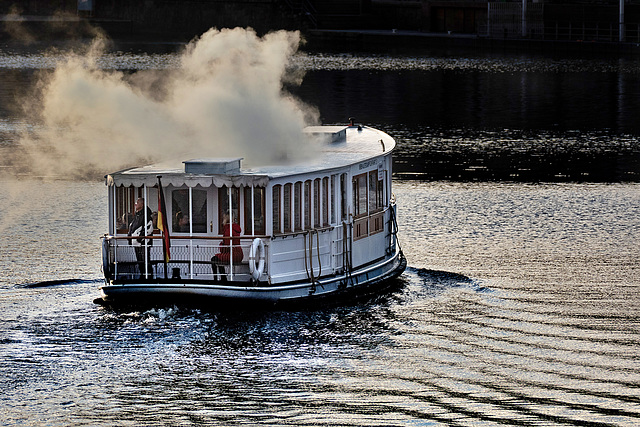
{"x": 192, "y": 258}
{"x": 298, "y": 255}
{"x": 314, "y": 253}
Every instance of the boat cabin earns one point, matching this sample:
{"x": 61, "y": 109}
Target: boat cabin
{"x": 285, "y": 224}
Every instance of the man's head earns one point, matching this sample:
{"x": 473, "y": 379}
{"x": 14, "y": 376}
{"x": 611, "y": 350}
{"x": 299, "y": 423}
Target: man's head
{"x": 139, "y": 204}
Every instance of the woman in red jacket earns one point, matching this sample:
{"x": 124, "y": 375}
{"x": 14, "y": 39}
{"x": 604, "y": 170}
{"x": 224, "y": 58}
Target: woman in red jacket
{"x": 221, "y": 259}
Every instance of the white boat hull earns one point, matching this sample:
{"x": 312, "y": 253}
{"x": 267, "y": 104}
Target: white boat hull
{"x": 358, "y": 283}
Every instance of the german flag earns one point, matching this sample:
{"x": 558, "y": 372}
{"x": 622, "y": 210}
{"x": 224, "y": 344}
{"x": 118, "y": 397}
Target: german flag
{"x": 162, "y": 223}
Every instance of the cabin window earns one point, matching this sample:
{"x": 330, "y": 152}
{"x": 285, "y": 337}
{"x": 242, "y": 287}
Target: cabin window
{"x": 277, "y": 189}
{"x": 223, "y": 206}
{"x": 375, "y": 192}
{"x": 344, "y": 207}
{"x": 152, "y": 202}
{"x": 325, "y": 201}
{"x": 258, "y": 211}
{"x": 286, "y": 217}
{"x": 125, "y": 200}
{"x": 360, "y": 194}
{"x": 316, "y": 202}
{"x": 181, "y": 222}
{"x": 380, "y": 191}
{"x": 333, "y": 199}
{"x": 297, "y": 206}
{"x": 307, "y": 205}
{"x": 199, "y": 211}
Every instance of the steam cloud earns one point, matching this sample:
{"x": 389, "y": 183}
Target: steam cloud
{"x": 225, "y": 99}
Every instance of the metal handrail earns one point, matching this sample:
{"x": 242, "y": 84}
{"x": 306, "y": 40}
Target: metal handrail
{"x": 187, "y": 237}
{"x": 305, "y": 231}
{"x": 191, "y": 254}
{"x": 194, "y": 254}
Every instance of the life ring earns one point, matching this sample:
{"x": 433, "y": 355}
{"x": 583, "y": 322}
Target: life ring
{"x": 256, "y": 258}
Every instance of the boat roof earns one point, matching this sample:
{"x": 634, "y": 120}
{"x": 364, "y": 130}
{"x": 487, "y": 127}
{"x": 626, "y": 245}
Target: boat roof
{"x": 337, "y": 147}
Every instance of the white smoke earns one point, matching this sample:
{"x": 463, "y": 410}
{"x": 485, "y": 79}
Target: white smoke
{"x": 226, "y": 98}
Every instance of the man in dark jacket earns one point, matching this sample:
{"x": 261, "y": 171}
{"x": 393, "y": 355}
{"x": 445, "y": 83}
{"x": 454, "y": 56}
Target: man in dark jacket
{"x": 138, "y": 228}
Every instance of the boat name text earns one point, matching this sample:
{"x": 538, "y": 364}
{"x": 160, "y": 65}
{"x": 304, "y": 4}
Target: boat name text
{"x": 368, "y": 164}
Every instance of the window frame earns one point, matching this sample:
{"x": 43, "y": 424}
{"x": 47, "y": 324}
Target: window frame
{"x": 223, "y": 201}
{"x": 297, "y": 206}
{"x": 276, "y": 220}
{"x": 253, "y": 225}
{"x": 286, "y": 207}
{"x": 360, "y": 201}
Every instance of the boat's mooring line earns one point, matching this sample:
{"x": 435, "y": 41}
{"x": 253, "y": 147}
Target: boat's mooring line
{"x": 394, "y": 229}
{"x": 318, "y": 255}
{"x": 309, "y": 266}
{"x": 347, "y": 249}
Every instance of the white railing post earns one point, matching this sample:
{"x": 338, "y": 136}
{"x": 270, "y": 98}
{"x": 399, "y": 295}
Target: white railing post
{"x": 115, "y": 258}
{"x": 190, "y": 233}
{"x": 112, "y": 205}
{"x": 253, "y": 220}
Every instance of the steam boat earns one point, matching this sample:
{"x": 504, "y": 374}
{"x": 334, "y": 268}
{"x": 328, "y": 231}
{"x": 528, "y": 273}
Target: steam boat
{"x": 213, "y": 230}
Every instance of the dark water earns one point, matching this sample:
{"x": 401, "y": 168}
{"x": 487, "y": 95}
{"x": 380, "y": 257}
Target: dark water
{"x": 522, "y": 122}
{"x": 519, "y": 306}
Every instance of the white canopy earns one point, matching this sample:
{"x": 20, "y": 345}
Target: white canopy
{"x": 127, "y": 179}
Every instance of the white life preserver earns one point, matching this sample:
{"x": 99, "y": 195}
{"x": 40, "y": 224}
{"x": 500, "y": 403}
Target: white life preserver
{"x": 256, "y": 258}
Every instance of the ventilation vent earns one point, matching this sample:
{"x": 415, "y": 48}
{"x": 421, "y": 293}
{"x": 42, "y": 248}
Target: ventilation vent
{"x": 213, "y": 166}
{"x": 329, "y": 133}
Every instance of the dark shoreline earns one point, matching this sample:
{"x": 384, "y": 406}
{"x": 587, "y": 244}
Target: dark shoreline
{"x": 31, "y": 29}
{"x": 398, "y": 41}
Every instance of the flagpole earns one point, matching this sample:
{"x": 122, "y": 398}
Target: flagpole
{"x": 163, "y": 224}
{"x": 144, "y": 233}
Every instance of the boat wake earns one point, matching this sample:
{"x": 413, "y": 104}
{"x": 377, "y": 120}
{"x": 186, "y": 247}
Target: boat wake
{"x": 441, "y": 276}
{"x": 421, "y": 285}
{"x": 59, "y": 282}
{"x": 443, "y": 279}
{"x": 147, "y": 316}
